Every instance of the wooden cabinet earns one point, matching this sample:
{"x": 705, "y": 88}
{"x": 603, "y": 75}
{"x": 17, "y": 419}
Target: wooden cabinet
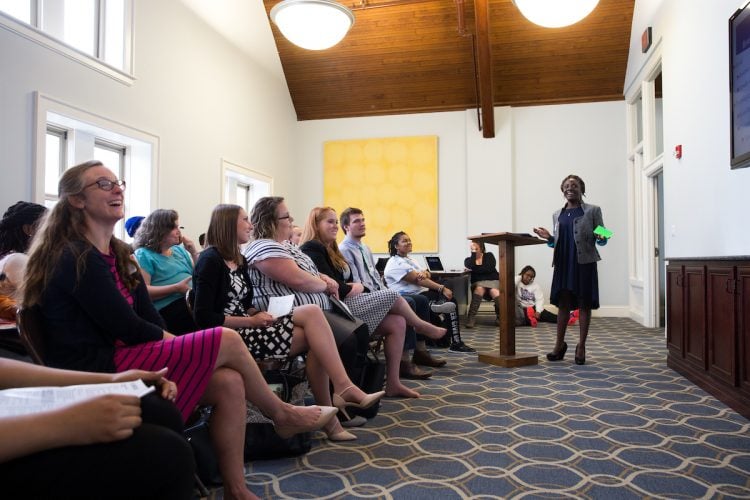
{"x": 708, "y": 326}
{"x": 743, "y": 327}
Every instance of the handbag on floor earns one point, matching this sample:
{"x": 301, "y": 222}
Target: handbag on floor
{"x": 372, "y": 380}
{"x": 287, "y": 380}
{"x": 206, "y": 465}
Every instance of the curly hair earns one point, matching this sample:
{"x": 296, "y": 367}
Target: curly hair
{"x": 312, "y": 232}
{"x": 527, "y": 268}
{"x": 263, "y": 217}
{"x": 577, "y": 179}
{"x": 393, "y": 242}
{"x": 155, "y": 228}
{"x": 64, "y": 229}
{"x": 15, "y": 235}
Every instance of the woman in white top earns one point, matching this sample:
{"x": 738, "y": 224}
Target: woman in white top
{"x": 404, "y": 275}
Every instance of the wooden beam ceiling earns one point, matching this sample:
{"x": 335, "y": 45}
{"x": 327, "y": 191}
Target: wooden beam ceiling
{"x": 409, "y": 57}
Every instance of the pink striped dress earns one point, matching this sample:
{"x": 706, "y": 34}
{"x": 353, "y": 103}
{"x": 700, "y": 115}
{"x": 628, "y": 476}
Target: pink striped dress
{"x": 190, "y": 358}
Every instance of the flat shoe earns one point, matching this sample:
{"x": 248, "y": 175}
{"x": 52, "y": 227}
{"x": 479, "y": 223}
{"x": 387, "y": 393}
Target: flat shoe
{"x": 356, "y": 421}
{"x": 326, "y": 414}
{"x": 411, "y": 371}
{"x": 461, "y": 347}
{"x": 424, "y": 358}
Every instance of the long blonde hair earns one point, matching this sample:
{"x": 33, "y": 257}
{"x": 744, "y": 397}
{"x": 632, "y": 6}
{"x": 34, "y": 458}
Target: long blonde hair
{"x": 312, "y": 232}
{"x": 63, "y": 230}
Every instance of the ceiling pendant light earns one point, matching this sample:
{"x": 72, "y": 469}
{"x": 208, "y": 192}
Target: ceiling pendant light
{"x": 555, "y": 13}
{"x": 312, "y": 24}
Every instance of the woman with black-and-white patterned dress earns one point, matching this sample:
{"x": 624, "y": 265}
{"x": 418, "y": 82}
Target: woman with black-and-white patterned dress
{"x": 224, "y": 295}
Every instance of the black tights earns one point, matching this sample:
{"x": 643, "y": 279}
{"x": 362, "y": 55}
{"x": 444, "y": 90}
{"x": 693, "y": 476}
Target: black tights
{"x": 155, "y": 462}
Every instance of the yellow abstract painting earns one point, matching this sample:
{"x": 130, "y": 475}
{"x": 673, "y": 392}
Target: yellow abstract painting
{"x": 393, "y": 180}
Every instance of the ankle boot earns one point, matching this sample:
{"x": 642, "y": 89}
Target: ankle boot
{"x": 496, "y": 300}
{"x": 476, "y": 301}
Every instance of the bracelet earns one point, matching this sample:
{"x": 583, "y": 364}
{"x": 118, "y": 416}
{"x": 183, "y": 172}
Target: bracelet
{"x": 441, "y": 288}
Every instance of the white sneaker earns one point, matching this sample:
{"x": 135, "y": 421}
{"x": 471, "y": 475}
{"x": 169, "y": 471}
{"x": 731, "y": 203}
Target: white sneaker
{"x": 442, "y": 307}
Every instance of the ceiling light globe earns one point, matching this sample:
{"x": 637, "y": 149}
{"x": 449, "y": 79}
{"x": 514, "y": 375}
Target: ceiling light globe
{"x": 312, "y": 24}
{"x": 555, "y": 13}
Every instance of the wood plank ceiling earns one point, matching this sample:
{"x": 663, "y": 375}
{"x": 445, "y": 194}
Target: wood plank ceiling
{"x": 408, "y": 56}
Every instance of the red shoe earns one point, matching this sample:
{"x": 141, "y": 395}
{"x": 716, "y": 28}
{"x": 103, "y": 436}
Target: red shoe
{"x": 573, "y": 317}
{"x": 531, "y": 315}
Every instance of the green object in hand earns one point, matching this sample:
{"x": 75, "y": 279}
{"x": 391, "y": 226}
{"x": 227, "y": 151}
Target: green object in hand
{"x": 603, "y": 232}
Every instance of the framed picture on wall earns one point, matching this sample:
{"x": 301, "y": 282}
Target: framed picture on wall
{"x": 739, "y": 87}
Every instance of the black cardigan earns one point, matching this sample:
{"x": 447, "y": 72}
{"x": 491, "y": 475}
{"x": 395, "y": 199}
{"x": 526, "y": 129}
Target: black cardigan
{"x": 487, "y": 271}
{"x": 211, "y": 283}
{"x": 319, "y": 255}
{"x": 83, "y": 317}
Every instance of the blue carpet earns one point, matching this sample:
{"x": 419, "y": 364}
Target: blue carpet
{"x": 622, "y": 426}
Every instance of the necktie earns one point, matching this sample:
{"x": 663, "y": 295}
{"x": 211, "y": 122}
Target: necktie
{"x": 364, "y": 258}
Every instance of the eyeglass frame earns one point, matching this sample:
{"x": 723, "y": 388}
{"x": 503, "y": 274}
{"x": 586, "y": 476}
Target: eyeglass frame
{"x": 98, "y": 183}
{"x": 287, "y": 216}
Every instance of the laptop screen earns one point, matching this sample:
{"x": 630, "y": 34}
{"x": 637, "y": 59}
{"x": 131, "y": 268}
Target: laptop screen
{"x": 433, "y": 263}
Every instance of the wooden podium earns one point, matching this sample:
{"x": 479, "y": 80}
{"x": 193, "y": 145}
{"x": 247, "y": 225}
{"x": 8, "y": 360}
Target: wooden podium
{"x": 507, "y": 242}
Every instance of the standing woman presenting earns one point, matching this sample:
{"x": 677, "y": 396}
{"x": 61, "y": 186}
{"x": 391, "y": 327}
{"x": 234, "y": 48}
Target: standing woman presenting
{"x": 575, "y": 283}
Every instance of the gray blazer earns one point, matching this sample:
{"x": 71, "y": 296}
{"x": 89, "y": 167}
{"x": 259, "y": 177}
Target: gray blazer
{"x": 583, "y": 233}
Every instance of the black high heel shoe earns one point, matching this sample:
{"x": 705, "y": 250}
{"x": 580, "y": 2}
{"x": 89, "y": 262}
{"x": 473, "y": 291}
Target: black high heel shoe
{"x": 580, "y": 360}
{"x": 558, "y": 356}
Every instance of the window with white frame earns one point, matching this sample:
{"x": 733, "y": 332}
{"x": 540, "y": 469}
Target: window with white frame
{"x": 67, "y": 136}
{"x": 242, "y": 186}
{"x": 97, "y": 33}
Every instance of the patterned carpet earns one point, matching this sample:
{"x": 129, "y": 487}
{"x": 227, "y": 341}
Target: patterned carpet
{"x": 622, "y": 426}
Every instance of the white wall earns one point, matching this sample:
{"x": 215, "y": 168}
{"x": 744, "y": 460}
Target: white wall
{"x": 583, "y": 139}
{"x": 508, "y": 183}
{"x": 202, "y": 97}
{"x": 705, "y": 201}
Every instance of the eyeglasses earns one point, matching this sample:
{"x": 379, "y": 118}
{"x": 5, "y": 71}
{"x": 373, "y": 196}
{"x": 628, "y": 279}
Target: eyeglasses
{"x": 106, "y": 184}
{"x": 287, "y": 216}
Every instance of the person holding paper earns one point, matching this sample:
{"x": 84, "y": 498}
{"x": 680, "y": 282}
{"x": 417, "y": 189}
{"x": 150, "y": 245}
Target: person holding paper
{"x": 96, "y": 315}
{"x": 384, "y": 311}
{"x": 126, "y": 446}
{"x": 575, "y": 284}
{"x": 224, "y": 297}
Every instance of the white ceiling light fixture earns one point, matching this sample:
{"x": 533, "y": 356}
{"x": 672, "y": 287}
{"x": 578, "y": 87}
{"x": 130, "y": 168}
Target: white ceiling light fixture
{"x": 312, "y": 24}
{"x": 555, "y": 13}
